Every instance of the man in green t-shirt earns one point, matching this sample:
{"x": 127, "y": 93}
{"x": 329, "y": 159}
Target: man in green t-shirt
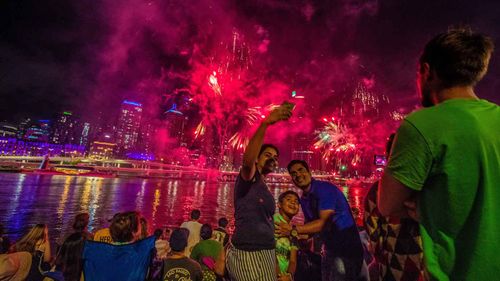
{"x": 286, "y": 247}
{"x": 210, "y": 254}
{"x": 444, "y": 165}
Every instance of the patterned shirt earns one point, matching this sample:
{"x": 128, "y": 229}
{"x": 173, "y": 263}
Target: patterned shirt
{"x": 396, "y": 243}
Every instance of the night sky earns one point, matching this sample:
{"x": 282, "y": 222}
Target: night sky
{"x": 86, "y": 56}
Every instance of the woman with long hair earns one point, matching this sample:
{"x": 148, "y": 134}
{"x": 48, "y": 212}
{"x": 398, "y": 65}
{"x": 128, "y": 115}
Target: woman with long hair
{"x": 69, "y": 259}
{"x": 37, "y": 239}
{"x": 36, "y": 242}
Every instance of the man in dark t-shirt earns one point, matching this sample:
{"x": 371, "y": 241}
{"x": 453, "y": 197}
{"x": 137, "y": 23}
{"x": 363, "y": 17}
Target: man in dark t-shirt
{"x": 252, "y": 256}
{"x": 177, "y": 266}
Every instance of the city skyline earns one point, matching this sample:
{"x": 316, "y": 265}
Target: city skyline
{"x": 132, "y": 137}
{"x": 53, "y": 54}
{"x": 203, "y": 90}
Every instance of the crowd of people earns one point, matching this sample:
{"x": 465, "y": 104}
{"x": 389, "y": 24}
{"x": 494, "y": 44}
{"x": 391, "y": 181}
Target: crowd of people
{"x": 432, "y": 216}
{"x": 125, "y": 250}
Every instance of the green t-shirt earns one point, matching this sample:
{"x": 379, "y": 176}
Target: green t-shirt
{"x": 206, "y": 248}
{"x": 450, "y": 153}
{"x": 283, "y": 247}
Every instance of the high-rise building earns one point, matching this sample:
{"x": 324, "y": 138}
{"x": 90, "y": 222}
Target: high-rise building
{"x": 34, "y": 133}
{"x": 129, "y": 123}
{"x": 22, "y": 127}
{"x": 45, "y": 128}
{"x": 176, "y": 122}
{"x": 34, "y": 147}
{"x": 147, "y": 138}
{"x": 7, "y": 130}
{"x": 102, "y": 150}
{"x": 84, "y": 138}
{"x": 65, "y": 129}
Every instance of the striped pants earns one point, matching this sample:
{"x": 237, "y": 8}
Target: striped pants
{"x": 251, "y": 265}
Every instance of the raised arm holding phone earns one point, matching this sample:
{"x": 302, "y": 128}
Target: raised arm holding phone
{"x": 252, "y": 255}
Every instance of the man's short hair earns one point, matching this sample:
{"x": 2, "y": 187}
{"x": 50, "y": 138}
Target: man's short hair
{"x": 459, "y": 57}
{"x": 268, "y": 145}
{"x": 223, "y": 222}
{"x": 296, "y": 161}
{"x": 195, "y": 214}
{"x": 286, "y": 193}
{"x": 206, "y": 231}
{"x": 179, "y": 239}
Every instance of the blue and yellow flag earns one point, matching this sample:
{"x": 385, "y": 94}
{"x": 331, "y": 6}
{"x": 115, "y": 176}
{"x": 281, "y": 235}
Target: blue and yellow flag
{"x": 129, "y": 262}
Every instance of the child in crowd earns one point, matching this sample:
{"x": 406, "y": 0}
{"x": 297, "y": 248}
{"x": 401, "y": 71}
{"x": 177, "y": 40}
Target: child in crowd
{"x": 220, "y": 233}
{"x": 286, "y": 247}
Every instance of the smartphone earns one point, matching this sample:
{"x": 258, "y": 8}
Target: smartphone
{"x": 289, "y": 105}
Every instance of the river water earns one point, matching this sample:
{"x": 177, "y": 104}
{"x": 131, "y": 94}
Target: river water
{"x": 28, "y": 199}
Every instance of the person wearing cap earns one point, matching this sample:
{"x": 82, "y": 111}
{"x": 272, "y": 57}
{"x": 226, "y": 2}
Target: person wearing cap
{"x": 177, "y": 266}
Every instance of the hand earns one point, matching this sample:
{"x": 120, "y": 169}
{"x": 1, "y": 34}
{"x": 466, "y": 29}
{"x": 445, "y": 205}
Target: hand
{"x": 411, "y": 208}
{"x": 282, "y": 229}
{"x": 279, "y": 113}
{"x": 303, "y": 237}
{"x": 285, "y": 277}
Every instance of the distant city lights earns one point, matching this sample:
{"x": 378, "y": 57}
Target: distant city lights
{"x": 132, "y": 103}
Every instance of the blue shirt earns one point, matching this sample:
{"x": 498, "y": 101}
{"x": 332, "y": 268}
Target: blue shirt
{"x": 340, "y": 234}
{"x": 254, "y": 208}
